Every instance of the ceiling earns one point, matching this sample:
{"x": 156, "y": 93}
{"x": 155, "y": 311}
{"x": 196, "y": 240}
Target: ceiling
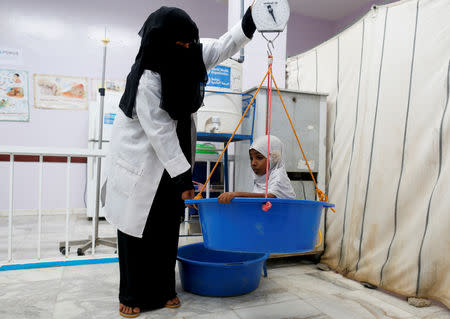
{"x": 333, "y": 10}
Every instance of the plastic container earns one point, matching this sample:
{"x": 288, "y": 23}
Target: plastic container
{"x": 217, "y": 273}
{"x": 205, "y": 149}
{"x": 290, "y": 225}
{"x": 222, "y": 108}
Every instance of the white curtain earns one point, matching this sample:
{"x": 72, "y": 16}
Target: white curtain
{"x": 388, "y": 146}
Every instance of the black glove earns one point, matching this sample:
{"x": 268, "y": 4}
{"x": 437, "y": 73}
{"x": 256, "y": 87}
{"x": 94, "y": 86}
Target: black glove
{"x": 183, "y": 182}
{"x": 248, "y": 26}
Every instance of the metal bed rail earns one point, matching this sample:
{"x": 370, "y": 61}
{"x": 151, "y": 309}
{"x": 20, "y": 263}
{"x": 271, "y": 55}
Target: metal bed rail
{"x": 23, "y": 152}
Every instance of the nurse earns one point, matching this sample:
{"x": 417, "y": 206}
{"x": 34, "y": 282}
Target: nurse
{"x": 149, "y": 167}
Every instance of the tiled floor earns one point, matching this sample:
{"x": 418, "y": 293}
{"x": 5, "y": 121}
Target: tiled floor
{"x": 293, "y": 289}
{"x": 25, "y": 230}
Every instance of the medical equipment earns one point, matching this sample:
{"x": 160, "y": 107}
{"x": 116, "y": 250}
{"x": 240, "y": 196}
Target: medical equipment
{"x": 260, "y": 214}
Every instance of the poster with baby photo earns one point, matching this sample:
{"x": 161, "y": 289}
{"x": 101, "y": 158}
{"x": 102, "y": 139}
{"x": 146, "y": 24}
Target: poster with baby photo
{"x": 14, "y": 105}
{"x": 60, "y": 92}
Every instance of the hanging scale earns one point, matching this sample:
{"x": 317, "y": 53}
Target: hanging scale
{"x": 270, "y": 16}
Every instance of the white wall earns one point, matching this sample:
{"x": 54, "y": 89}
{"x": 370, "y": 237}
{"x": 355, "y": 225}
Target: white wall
{"x": 305, "y": 32}
{"x": 63, "y": 38}
{"x": 255, "y": 63}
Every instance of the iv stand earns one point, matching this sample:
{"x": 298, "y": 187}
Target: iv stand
{"x": 95, "y": 241}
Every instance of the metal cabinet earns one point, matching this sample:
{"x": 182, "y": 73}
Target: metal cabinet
{"x": 308, "y": 113}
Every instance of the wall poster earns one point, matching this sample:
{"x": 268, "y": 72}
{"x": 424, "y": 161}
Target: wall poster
{"x": 60, "y": 92}
{"x": 14, "y": 104}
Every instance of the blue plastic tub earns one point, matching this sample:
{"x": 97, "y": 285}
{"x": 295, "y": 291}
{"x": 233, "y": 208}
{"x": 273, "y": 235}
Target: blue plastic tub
{"x": 291, "y": 225}
{"x": 217, "y": 273}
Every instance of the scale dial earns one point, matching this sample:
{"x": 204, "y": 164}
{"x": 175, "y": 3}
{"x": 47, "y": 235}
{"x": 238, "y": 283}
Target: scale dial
{"x": 270, "y": 15}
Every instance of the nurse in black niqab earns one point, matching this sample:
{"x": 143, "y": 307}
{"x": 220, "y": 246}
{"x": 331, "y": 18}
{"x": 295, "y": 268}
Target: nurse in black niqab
{"x": 170, "y": 47}
{"x": 172, "y": 66}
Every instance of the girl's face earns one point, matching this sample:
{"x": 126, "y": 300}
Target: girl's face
{"x": 258, "y": 162}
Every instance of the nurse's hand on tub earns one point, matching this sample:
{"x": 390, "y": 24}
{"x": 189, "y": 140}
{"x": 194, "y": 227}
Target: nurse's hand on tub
{"x": 189, "y": 194}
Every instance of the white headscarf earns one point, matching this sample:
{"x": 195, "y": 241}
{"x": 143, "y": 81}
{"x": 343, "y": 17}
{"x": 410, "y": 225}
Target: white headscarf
{"x": 279, "y": 183}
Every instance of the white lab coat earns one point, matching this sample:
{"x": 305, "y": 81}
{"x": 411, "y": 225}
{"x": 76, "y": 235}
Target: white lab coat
{"x": 142, "y": 147}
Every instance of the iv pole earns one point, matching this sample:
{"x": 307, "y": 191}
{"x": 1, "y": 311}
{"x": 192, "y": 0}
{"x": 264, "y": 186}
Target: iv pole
{"x": 95, "y": 240}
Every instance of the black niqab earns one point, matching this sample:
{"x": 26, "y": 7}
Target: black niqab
{"x": 182, "y": 70}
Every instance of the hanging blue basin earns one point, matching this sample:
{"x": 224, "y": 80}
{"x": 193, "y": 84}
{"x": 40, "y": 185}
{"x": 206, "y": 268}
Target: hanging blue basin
{"x": 289, "y": 226}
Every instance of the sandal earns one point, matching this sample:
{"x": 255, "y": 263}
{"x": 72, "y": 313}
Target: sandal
{"x": 129, "y": 315}
{"x": 133, "y": 314}
{"x": 173, "y": 305}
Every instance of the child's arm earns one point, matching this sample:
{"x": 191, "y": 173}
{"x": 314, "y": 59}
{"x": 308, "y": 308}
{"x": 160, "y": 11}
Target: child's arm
{"x": 227, "y": 197}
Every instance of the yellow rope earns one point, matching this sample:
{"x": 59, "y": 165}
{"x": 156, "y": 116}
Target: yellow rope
{"x": 322, "y": 196}
{"x": 320, "y": 239}
{"x": 199, "y": 195}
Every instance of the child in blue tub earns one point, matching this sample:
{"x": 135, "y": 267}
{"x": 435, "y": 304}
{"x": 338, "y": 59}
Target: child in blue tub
{"x": 279, "y": 183}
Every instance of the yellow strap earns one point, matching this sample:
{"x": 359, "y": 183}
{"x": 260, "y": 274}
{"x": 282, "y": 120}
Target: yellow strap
{"x": 322, "y": 196}
{"x": 320, "y": 239}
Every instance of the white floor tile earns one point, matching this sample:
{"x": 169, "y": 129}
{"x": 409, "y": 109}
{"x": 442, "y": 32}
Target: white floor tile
{"x": 440, "y": 314}
{"x": 32, "y": 299}
{"x": 289, "y": 309}
{"x": 401, "y": 303}
{"x": 375, "y": 305}
{"x": 292, "y": 290}
{"x": 31, "y": 275}
{"x": 217, "y": 315}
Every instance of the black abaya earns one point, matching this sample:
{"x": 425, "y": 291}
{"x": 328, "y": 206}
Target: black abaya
{"x": 147, "y": 264}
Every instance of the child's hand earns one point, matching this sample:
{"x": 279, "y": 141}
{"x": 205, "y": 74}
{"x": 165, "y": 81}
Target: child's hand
{"x": 226, "y": 198}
